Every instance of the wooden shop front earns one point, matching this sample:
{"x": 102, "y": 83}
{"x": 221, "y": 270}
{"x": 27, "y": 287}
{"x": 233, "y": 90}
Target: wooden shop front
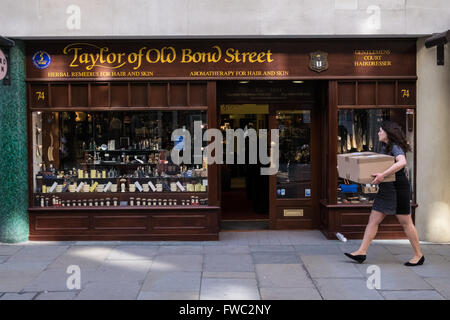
{"x": 101, "y": 115}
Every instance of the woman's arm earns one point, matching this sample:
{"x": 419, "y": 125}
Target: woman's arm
{"x": 397, "y": 166}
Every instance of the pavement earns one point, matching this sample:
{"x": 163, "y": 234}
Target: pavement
{"x": 245, "y": 265}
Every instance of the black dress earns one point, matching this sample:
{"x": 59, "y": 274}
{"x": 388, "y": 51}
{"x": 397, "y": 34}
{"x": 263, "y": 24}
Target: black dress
{"x": 394, "y": 197}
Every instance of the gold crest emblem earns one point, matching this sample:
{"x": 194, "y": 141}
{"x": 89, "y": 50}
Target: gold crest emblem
{"x": 318, "y": 61}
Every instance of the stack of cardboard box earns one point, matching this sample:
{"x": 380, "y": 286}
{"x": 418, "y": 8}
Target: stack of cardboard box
{"x": 359, "y": 166}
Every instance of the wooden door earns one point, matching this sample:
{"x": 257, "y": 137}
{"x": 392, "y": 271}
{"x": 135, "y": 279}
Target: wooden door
{"x": 294, "y": 190}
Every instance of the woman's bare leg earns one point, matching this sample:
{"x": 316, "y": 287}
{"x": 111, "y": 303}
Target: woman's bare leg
{"x": 411, "y": 232}
{"x": 371, "y": 231}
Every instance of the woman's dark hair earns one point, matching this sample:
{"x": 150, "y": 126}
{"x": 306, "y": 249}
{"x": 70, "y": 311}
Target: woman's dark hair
{"x": 395, "y": 136}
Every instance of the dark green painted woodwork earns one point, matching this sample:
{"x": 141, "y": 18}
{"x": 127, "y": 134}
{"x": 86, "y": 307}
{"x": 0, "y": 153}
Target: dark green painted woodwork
{"x": 13, "y": 152}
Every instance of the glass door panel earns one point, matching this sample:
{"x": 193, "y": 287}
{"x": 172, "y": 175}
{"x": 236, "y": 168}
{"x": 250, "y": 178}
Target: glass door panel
{"x": 294, "y": 174}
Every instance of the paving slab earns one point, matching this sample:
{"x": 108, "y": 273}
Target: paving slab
{"x": 375, "y": 254}
{"x": 235, "y": 238}
{"x": 172, "y": 295}
{"x": 9, "y": 250}
{"x": 330, "y": 266}
{"x": 172, "y": 281}
{"x": 226, "y": 249}
{"x": 310, "y": 250}
{"x": 441, "y": 249}
{"x": 230, "y": 275}
{"x": 435, "y": 266}
{"x": 306, "y": 237}
{"x": 346, "y": 289}
{"x": 49, "y": 243}
{"x": 412, "y": 295}
{"x": 85, "y": 257}
{"x": 3, "y": 258}
{"x": 114, "y": 290}
{"x": 395, "y": 277}
{"x": 19, "y": 296}
{"x": 272, "y": 248}
{"x": 135, "y": 252}
{"x": 275, "y": 258}
{"x": 93, "y": 252}
{"x": 162, "y": 263}
{"x": 405, "y": 248}
{"x": 16, "y": 276}
{"x": 228, "y": 262}
{"x": 98, "y": 243}
{"x": 180, "y": 250}
{"x": 121, "y": 270}
{"x": 262, "y": 238}
{"x": 441, "y": 285}
{"x": 56, "y": 296}
{"x": 289, "y": 294}
{"x": 55, "y": 279}
{"x": 38, "y": 253}
{"x": 229, "y": 289}
{"x": 283, "y": 276}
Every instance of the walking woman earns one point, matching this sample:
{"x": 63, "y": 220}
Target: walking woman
{"x": 393, "y": 197}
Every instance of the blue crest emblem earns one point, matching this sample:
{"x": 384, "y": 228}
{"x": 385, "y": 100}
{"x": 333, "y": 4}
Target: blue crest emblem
{"x": 41, "y": 59}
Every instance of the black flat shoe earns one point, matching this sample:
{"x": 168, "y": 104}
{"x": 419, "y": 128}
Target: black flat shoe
{"x": 358, "y": 258}
{"x": 418, "y": 263}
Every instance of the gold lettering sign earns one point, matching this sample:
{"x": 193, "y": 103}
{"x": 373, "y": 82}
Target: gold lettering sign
{"x": 405, "y": 93}
{"x": 90, "y": 56}
{"x": 372, "y": 58}
{"x": 40, "y": 95}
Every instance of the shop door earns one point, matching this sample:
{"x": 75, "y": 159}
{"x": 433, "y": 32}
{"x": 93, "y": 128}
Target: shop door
{"x": 293, "y": 190}
{"x": 244, "y": 192}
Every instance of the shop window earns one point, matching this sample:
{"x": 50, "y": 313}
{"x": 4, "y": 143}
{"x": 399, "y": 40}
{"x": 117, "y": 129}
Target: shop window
{"x": 294, "y": 174}
{"x": 114, "y": 159}
{"x": 358, "y": 132}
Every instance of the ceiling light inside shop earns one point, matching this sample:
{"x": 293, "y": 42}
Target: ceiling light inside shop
{"x": 297, "y": 81}
{"x": 244, "y": 82}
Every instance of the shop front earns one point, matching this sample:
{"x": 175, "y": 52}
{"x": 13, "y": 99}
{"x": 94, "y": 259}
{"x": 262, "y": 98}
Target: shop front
{"x": 101, "y": 116}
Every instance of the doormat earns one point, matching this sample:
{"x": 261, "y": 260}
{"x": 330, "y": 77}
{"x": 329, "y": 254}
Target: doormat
{"x": 244, "y": 225}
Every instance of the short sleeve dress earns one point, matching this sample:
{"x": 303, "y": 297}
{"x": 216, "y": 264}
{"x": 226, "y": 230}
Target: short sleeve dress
{"x": 394, "y": 197}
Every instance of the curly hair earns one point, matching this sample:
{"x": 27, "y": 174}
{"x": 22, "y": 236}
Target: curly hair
{"x": 395, "y": 136}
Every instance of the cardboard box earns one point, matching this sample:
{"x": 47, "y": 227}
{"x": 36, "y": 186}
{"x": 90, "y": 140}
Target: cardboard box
{"x": 343, "y": 164}
{"x": 360, "y": 168}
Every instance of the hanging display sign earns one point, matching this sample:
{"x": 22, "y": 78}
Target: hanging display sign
{"x": 3, "y": 65}
{"x": 224, "y": 59}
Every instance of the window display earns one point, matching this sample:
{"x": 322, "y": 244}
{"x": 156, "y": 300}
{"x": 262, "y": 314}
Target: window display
{"x": 358, "y": 132}
{"x": 96, "y": 159}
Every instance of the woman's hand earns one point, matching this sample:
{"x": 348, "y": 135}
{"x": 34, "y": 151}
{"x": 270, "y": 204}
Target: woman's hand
{"x": 379, "y": 177}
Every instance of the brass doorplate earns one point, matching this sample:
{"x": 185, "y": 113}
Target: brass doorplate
{"x": 293, "y": 212}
